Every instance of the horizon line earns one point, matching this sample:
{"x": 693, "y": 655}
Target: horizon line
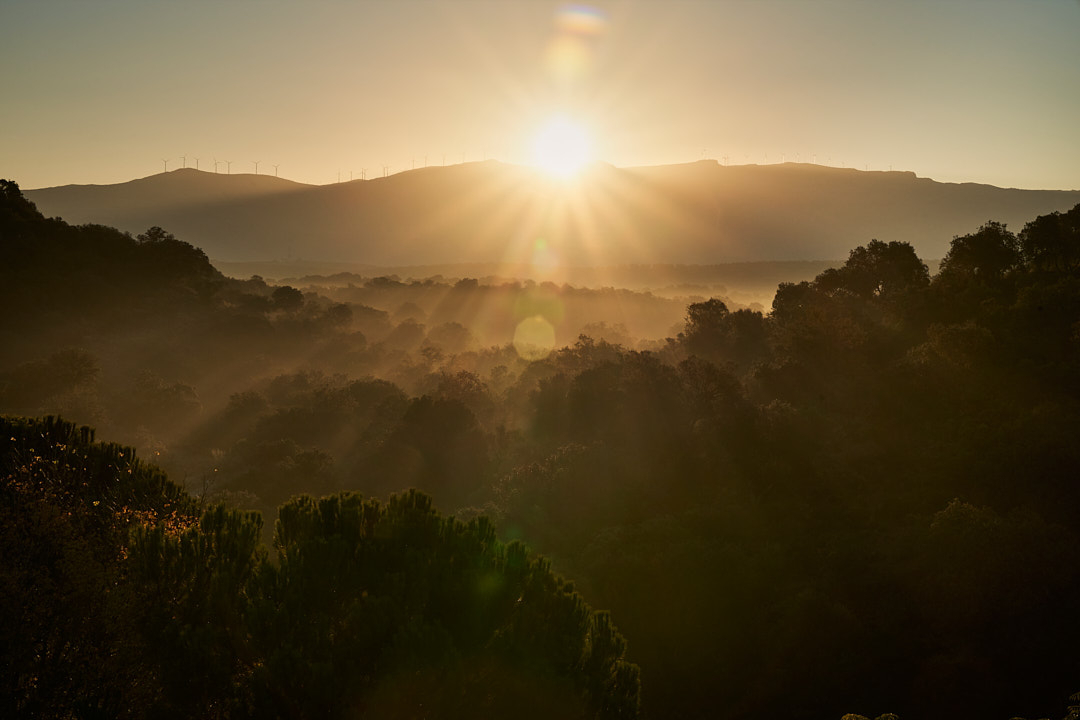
{"x": 591, "y": 167}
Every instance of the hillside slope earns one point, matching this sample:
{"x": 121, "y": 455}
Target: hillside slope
{"x": 491, "y": 212}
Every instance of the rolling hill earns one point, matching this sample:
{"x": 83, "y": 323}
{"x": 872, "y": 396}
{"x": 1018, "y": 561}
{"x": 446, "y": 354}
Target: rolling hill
{"x": 490, "y": 212}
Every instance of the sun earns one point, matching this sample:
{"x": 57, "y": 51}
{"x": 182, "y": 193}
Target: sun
{"x": 561, "y": 147}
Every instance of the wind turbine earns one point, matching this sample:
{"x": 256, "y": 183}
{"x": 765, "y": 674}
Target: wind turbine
{"x": 228, "y": 166}
{"x": 256, "y": 165}
{"x": 183, "y": 159}
{"x": 196, "y": 163}
{"x": 275, "y": 170}
{"x": 363, "y": 173}
{"x": 166, "y": 164}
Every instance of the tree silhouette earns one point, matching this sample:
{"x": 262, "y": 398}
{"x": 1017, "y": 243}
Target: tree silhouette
{"x": 878, "y": 269}
{"x": 714, "y": 333}
{"x": 1052, "y": 242}
{"x": 366, "y": 598}
{"x": 287, "y": 298}
{"x": 195, "y": 590}
{"x": 984, "y": 256}
{"x": 155, "y": 235}
{"x": 67, "y": 505}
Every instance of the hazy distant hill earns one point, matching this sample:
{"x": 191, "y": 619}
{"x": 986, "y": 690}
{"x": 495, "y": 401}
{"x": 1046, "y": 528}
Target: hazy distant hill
{"x": 161, "y": 192}
{"x": 491, "y": 212}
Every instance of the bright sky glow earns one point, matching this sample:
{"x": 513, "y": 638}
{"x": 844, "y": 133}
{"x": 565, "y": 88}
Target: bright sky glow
{"x": 561, "y": 148}
{"x": 963, "y": 90}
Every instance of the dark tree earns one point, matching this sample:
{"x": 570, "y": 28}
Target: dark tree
{"x": 438, "y": 447}
{"x": 878, "y": 269}
{"x": 287, "y": 298}
{"x": 396, "y": 610}
{"x": 15, "y": 209}
{"x": 714, "y": 333}
{"x": 1052, "y": 242}
{"x": 984, "y": 256}
{"x": 155, "y": 235}
{"x": 67, "y": 505}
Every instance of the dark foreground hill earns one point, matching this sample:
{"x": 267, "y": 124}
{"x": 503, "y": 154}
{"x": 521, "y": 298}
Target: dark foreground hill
{"x": 489, "y": 212}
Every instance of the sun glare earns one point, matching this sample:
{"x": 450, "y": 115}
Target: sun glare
{"x": 561, "y": 147}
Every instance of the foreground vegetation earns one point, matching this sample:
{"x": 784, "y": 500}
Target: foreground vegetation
{"x": 133, "y": 604}
{"x": 863, "y": 500}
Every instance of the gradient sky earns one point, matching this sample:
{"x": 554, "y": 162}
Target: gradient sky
{"x": 956, "y": 90}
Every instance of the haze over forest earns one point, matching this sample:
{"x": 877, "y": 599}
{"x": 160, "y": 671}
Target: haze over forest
{"x": 526, "y": 360}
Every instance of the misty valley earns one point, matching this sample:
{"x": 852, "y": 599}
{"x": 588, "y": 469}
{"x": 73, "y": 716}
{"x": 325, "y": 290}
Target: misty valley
{"x": 691, "y": 489}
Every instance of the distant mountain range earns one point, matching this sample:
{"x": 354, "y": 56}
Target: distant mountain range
{"x": 491, "y": 212}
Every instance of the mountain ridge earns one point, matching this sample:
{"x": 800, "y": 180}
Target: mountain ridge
{"x": 491, "y": 212}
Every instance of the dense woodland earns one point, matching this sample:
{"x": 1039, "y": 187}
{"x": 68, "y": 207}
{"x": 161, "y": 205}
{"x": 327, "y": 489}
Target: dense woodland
{"x": 861, "y": 501}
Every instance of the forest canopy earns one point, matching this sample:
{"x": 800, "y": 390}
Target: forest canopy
{"x": 135, "y": 601}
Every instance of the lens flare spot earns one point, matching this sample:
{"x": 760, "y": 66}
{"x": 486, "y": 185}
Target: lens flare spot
{"x": 568, "y": 58}
{"x": 534, "y": 338}
{"x": 543, "y": 255}
{"x": 571, "y": 50}
{"x": 580, "y": 19}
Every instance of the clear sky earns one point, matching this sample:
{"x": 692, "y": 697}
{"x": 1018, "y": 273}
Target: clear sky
{"x": 104, "y": 91}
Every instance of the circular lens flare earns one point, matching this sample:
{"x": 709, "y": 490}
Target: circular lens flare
{"x": 561, "y": 147}
{"x": 534, "y": 338}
